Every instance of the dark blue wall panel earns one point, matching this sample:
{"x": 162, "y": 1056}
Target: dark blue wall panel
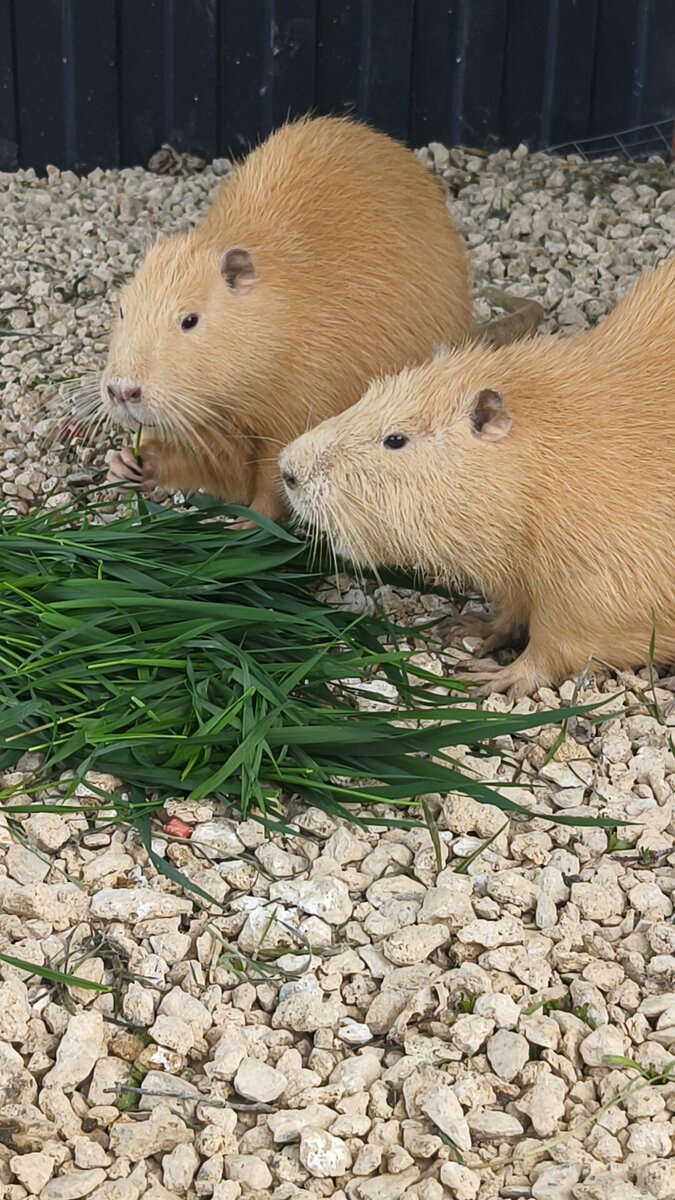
{"x": 87, "y": 83}
{"x": 386, "y": 50}
{"x": 140, "y": 73}
{"x": 635, "y": 63}
{"x": 89, "y": 60}
{"x": 190, "y": 79}
{"x": 9, "y": 133}
{"x": 338, "y": 56}
{"x": 458, "y": 72}
{"x": 40, "y": 82}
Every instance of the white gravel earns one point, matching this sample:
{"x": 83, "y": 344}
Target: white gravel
{"x": 418, "y": 1033}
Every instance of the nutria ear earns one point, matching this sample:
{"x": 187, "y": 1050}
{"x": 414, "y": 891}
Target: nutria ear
{"x": 490, "y": 418}
{"x": 236, "y": 268}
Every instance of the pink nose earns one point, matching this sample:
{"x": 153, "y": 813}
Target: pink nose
{"x": 122, "y": 392}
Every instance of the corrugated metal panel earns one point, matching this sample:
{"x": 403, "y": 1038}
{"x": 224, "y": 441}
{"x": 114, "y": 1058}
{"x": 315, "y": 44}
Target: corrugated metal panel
{"x": 85, "y": 83}
{"x": 548, "y": 79}
{"x": 9, "y": 150}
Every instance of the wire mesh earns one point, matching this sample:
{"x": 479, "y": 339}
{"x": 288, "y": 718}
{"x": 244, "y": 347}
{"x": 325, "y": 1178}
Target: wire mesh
{"x": 635, "y": 145}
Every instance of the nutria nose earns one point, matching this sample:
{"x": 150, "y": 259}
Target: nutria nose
{"x": 289, "y": 479}
{"x": 121, "y": 392}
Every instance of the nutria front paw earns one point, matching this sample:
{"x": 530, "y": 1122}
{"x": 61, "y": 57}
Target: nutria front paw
{"x": 493, "y": 631}
{"x": 125, "y": 470}
{"x": 520, "y": 678}
{"x": 469, "y": 625}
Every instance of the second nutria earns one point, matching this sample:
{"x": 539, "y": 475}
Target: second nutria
{"x": 544, "y": 473}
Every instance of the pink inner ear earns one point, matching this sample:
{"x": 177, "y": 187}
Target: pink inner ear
{"x": 490, "y": 418}
{"x": 237, "y": 270}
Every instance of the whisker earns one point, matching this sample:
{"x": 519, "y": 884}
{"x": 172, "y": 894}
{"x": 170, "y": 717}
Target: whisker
{"x": 353, "y": 542}
{"x": 203, "y": 408}
{"x": 180, "y": 429}
{"x": 102, "y": 424}
{"x": 266, "y": 439}
{"x": 81, "y": 403}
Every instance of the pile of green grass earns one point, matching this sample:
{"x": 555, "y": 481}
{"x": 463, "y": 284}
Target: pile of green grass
{"x": 190, "y": 659}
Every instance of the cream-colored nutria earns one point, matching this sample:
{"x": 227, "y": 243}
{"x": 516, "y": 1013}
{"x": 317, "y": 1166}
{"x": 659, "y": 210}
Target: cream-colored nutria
{"x": 544, "y": 473}
{"x": 327, "y": 258}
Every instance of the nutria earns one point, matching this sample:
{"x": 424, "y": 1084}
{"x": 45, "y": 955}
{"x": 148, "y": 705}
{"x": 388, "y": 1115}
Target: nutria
{"x": 544, "y": 473}
{"x": 327, "y": 258}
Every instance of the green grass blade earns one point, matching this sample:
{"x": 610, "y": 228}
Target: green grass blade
{"x": 53, "y": 976}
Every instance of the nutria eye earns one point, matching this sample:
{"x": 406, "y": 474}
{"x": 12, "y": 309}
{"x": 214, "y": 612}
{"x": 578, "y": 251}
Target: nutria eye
{"x": 395, "y": 441}
{"x": 189, "y": 322}
{"x": 121, "y": 313}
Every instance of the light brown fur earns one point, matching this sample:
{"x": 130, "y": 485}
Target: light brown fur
{"x": 561, "y": 509}
{"x": 358, "y": 270}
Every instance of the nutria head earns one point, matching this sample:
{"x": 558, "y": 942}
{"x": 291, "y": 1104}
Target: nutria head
{"x": 187, "y": 344}
{"x": 398, "y": 479}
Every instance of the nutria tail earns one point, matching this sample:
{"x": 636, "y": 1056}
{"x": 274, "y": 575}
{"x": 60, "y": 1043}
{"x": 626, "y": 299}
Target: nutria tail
{"x": 522, "y": 318}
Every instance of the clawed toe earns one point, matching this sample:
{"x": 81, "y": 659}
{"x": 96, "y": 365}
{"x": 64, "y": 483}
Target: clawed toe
{"x": 493, "y": 631}
{"x": 474, "y": 665}
{"x": 125, "y": 470}
{"x": 520, "y": 678}
{"x": 477, "y": 678}
{"x": 490, "y": 683}
{"x": 469, "y": 625}
{"x": 496, "y": 641}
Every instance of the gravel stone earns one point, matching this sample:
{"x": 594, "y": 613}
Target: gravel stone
{"x": 219, "y": 839}
{"x": 256, "y": 1081}
{"x": 24, "y": 866}
{"x": 250, "y": 1171}
{"x": 601, "y": 1042}
{"x": 504, "y": 932}
{"x": 179, "y": 1168}
{"x": 409, "y": 946}
{"x": 303, "y": 1009}
{"x": 73, "y": 1185}
{"x": 658, "y": 1179}
{"x": 78, "y": 1052}
{"x": 324, "y": 1156}
{"x": 443, "y": 1108}
{"x": 32, "y": 1170}
{"x": 357, "y": 1073}
{"x": 136, "y": 904}
{"x": 15, "y": 1008}
{"x": 287, "y": 1124}
{"x": 494, "y": 1126}
{"x": 160, "y": 1134}
{"x": 507, "y": 1053}
{"x": 386, "y": 1186}
{"x": 323, "y": 897}
{"x": 556, "y": 1183}
{"x": 463, "y": 1184}
{"x": 544, "y": 1103}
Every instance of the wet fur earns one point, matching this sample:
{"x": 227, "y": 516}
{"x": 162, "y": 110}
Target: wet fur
{"x": 359, "y": 270}
{"x": 567, "y": 523}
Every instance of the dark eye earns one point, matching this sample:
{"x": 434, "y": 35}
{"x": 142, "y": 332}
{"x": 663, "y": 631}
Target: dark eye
{"x": 395, "y": 441}
{"x": 189, "y": 322}
{"x": 121, "y": 313}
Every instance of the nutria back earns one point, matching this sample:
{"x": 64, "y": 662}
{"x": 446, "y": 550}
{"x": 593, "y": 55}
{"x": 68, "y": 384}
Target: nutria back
{"x": 542, "y": 472}
{"x": 355, "y": 234}
{"x": 328, "y": 258}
